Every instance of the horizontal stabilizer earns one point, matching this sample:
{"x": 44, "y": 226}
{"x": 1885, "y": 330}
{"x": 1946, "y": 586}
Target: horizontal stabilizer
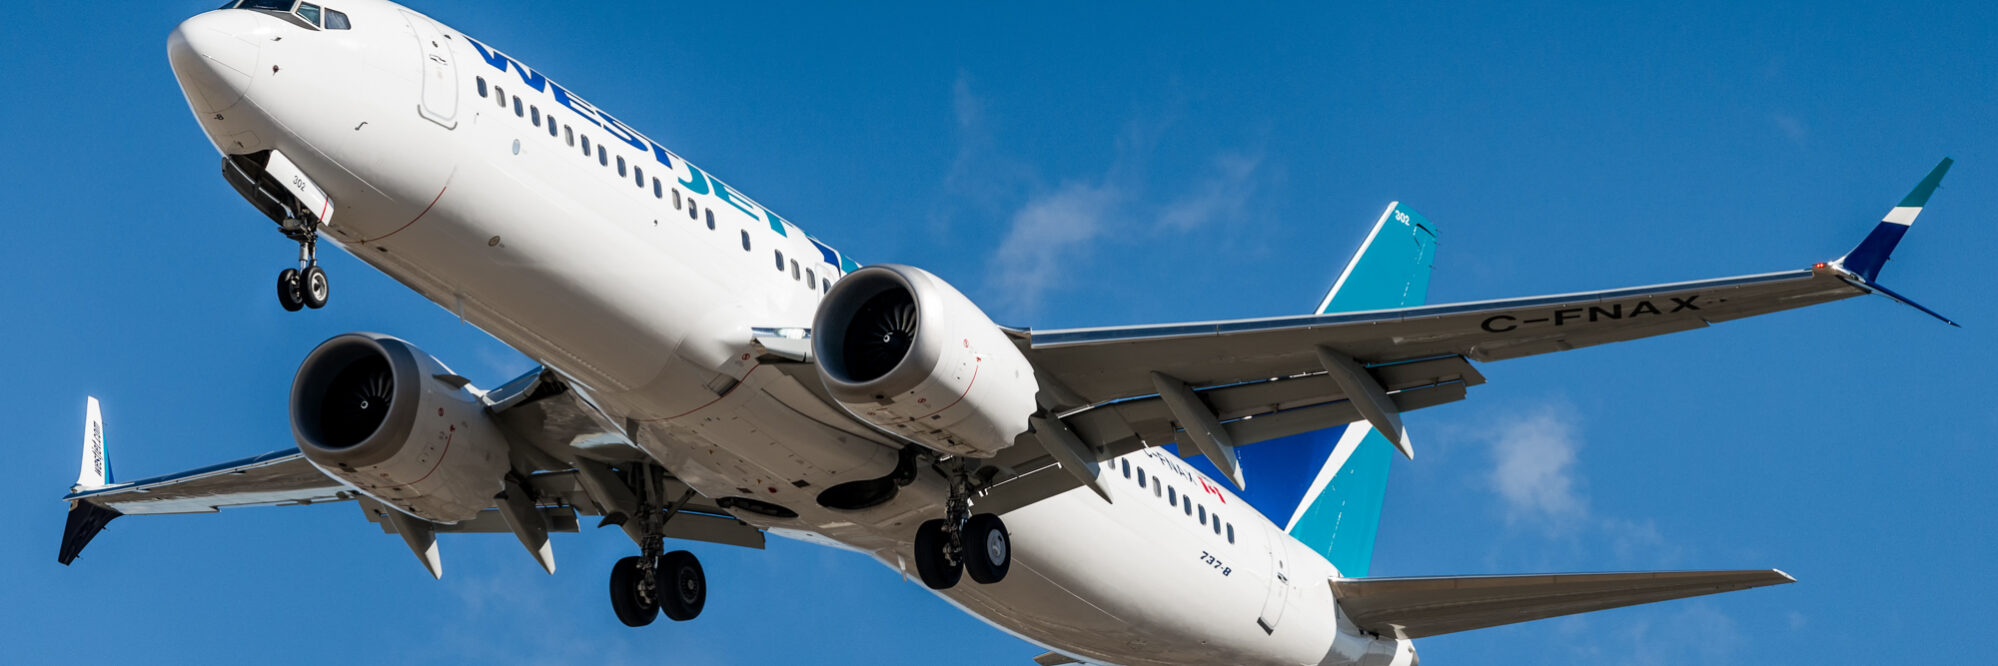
{"x": 1418, "y": 607}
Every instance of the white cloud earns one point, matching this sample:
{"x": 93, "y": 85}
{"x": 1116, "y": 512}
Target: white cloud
{"x": 1533, "y": 471}
{"x": 1045, "y": 234}
{"x": 1792, "y": 128}
{"x": 1695, "y": 633}
{"x": 1052, "y": 231}
{"x": 1224, "y": 196}
{"x": 1640, "y": 543}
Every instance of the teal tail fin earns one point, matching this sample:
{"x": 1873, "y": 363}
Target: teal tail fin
{"x": 1326, "y": 488}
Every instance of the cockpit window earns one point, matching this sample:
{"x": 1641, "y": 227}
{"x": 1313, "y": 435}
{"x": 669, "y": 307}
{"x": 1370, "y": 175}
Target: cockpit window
{"x": 311, "y": 15}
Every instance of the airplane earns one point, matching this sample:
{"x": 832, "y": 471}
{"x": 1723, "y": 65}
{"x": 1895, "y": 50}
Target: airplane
{"x": 1201, "y": 492}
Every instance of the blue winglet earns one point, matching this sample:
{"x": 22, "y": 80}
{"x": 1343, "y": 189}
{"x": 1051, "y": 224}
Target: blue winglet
{"x": 1871, "y": 255}
{"x": 1862, "y": 265}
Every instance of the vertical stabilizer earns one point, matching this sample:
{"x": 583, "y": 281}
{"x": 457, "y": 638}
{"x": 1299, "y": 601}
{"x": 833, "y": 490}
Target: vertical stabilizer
{"x": 95, "y": 471}
{"x": 1326, "y": 488}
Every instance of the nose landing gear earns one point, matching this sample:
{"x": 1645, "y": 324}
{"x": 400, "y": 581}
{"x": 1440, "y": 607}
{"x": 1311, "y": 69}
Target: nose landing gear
{"x": 305, "y": 286}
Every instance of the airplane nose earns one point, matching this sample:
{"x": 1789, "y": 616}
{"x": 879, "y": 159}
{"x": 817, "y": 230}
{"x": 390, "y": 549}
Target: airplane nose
{"x": 212, "y": 60}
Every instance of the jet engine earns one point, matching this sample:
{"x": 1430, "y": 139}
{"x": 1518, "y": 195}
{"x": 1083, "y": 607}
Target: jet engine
{"x": 905, "y": 351}
{"x": 378, "y": 413}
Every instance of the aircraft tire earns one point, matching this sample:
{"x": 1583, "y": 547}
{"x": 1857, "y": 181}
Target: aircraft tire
{"x": 313, "y": 287}
{"x": 631, "y": 609}
{"x": 988, "y": 549}
{"x": 932, "y": 563}
{"x": 288, "y": 290}
{"x": 683, "y": 589}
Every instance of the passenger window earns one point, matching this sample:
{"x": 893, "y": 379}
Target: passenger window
{"x": 1141, "y": 477}
{"x": 745, "y": 241}
{"x": 518, "y": 108}
{"x": 657, "y": 192}
{"x": 620, "y": 166}
{"x": 337, "y": 20}
{"x": 1126, "y": 464}
{"x": 780, "y": 260}
{"x": 603, "y": 156}
{"x": 711, "y": 218}
{"x": 482, "y": 87}
{"x": 1231, "y": 533}
{"x": 676, "y": 198}
{"x": 810, "y": 279}
{"x": 694, "y": 210}
{"x": 638, "y": 175}
{"x": 1172, "y": 495}
{"x": 309, "y": 12}
{"x": 794, "y": 269}
{"x": 1203, "y": 514}
{"x": 1188, "y": 504}
{"x": 500, "y": 94}
{"x": 535, "y": 113}
{"x": 1217, "y": 523}
{"x": 586, "y": 145}
{"x": 825, "y": 287}
{"x": 552, "y": 132}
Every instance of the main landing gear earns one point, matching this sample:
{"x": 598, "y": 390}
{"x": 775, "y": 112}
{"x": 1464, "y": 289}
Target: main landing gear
{"x": 961, "y": 543}
{"x": 305, "y": 286}
{"x": 643, "y": 585}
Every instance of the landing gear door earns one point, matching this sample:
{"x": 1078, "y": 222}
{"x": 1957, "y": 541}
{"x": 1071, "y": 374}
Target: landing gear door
{"x": 1279, "y": 592}
{"x": 311, "y": 200}
{"x": 440, "y": 76}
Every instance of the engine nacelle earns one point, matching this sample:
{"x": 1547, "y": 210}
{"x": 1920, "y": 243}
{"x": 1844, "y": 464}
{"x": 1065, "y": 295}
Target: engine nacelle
{"x": 371, "y": 410}
{"x": 905, "y": 351}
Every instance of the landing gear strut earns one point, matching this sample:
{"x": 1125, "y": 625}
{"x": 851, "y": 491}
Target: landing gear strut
{"x": 305, "y": 286}
{"x": 961, "y": 543}
{"x": 643, "y": 585}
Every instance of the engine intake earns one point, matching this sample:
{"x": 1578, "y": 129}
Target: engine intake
{"x": 900, "y": 348}
{"x": 370, "y": 410}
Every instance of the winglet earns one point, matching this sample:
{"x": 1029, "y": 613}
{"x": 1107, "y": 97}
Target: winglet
{"x": 1866, "y": 260}
{"x": 1862, "y": 265}
{"x": 87, "y": 519}
{"x": 95, "y": 470}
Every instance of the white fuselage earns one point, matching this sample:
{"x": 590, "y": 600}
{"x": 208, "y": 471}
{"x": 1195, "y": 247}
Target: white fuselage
{"x": 648, "y": 308}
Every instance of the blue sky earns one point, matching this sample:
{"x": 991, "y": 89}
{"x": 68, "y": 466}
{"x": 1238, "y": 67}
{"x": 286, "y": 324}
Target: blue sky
{"x": 1097, "y": 164}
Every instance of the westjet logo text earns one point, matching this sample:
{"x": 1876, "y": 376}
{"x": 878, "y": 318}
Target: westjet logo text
{"x": 694, "y": 180}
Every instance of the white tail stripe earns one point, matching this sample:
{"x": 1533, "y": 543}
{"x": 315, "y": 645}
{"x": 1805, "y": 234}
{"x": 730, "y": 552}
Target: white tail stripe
{"x": 1902, "y": 215}
{"x": 1349, "y": 442}
{"x": 1355, "y": 261}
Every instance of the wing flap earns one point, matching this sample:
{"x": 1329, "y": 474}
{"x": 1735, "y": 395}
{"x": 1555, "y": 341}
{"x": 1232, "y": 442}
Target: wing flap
{"x": 1418, "y": 607}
